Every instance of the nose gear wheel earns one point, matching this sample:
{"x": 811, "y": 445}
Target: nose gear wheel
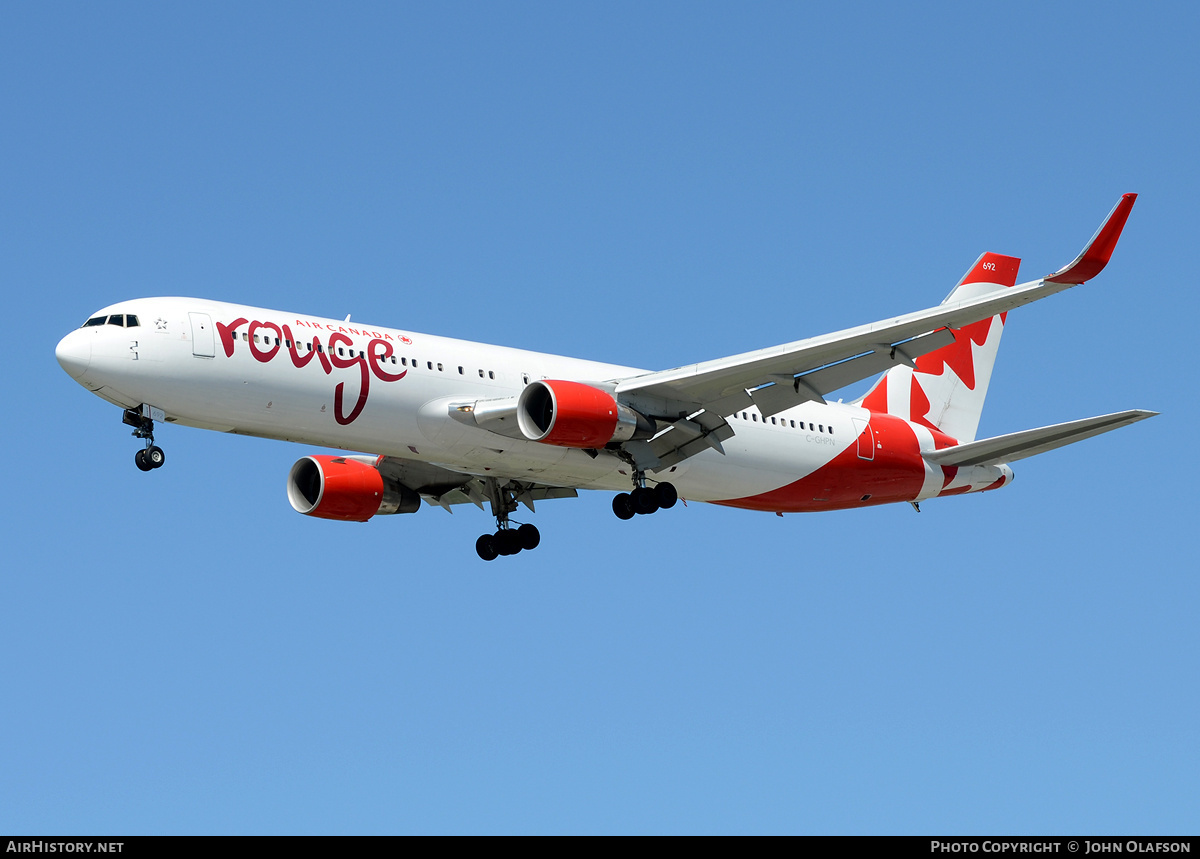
{"x": 152, "y": 456}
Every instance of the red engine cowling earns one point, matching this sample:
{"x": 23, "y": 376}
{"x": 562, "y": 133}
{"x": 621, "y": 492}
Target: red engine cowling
{"x": 346, "y": 489}
{"x": 572, "y": 414}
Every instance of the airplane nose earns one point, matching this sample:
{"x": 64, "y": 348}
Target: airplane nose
{"x": 74, "y": 354}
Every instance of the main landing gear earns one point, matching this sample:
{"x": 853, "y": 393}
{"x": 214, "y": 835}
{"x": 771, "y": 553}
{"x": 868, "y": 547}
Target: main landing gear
{"x": 507, "y": 540}
{"x": 644, "y": 499}
{"x": 151, "y": 456}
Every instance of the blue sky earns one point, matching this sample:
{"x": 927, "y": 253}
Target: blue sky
{"x": 648, "y": 185}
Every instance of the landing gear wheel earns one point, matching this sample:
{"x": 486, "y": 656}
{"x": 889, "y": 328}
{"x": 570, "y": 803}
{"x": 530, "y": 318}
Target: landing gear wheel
{"x": 505, "y": 497}
{"x": 622, "y": 505}
{"x": 485, "y": 547}
{"x": 666, "y": 496}
{"x": 507, "y": 542}
{"x": 529, "y": 536}
{"x": 645, "y": 501}
{"x": 143, "y": 428}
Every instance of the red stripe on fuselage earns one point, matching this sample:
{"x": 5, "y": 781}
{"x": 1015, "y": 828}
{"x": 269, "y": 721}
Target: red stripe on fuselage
{"x": 897, "y": 473}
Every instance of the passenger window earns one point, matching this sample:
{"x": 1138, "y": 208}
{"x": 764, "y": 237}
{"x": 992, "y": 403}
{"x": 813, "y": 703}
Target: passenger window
{"x": 491, "y": 375}
{"x": 245, "y": 337}
{"x": 754, "y": 417}
{"x": 525, "y": 378}
{"x": 821, "y": 427}
{"x": 429, "y": 364}
{"x": 481, "y": 373}
{"x": 744, "y": 417}
{"x": 403, "y": 361}
{"x": 460, "y": 372}
{"x": 439, "y": 366}
{"x": 340, "y": 352}
{"x": 793, "y": 424}
{"x": 288, "y": 343}
{"x": 772, "y": 421}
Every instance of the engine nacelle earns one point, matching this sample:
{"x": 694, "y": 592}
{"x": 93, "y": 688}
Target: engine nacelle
{"x": 347, "y": 489}
{"x": 571, "y": 414}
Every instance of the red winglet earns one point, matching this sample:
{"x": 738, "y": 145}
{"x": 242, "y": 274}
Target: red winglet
{"x": 1099, "y": 250}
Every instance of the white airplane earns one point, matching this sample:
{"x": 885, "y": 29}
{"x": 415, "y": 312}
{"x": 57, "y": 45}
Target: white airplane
{"x": 454, "y": 422}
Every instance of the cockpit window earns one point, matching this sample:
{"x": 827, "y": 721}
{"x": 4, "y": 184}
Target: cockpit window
{"x": 123, "y": 320}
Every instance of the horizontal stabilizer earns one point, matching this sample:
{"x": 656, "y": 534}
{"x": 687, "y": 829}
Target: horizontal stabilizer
{"x": 1018, "y": 445}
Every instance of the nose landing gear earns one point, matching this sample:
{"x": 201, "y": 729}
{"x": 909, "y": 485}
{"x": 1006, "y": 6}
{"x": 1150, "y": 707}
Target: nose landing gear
{"x": 150, "y": 458}
{"x": 142, "y": 421}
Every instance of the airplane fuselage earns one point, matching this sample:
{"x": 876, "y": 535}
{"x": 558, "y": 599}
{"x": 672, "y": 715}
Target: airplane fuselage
{"x": 356, "y": 387}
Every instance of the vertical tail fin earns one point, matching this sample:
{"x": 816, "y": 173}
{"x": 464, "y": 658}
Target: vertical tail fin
{"x": 946, "y": 389}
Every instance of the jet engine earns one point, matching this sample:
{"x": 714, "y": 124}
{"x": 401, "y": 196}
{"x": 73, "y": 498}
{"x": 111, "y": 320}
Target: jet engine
{"x": 347, "y": 488}
{"x": 572, "y": 414}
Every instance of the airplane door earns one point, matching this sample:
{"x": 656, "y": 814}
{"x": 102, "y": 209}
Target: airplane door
{"x": 203, "y": 342}
{"x": 866, "y": 439}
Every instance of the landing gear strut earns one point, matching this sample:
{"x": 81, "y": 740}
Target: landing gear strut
{"x": 644, "y": 500}
{"x": 507, "y": 540}
{"x": 151, "y": 456}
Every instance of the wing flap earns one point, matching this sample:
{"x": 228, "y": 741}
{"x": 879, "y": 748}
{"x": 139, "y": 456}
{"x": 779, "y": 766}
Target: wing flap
{"x": 1019, "y": 445}
{"x": 787, "y": 392}
{"x": 474, "y": 492}
{"x": 682, "y": 439}
{"x": 445, "y": 487}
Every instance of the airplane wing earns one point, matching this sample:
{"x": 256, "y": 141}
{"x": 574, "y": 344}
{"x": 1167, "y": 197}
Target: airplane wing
{"x": 1018, "y": 445}
{"x": 695, "y": 400}
{"x": 444, "y": 487}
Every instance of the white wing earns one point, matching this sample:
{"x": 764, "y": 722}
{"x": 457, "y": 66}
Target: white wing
{"x": 697, "y": 398}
